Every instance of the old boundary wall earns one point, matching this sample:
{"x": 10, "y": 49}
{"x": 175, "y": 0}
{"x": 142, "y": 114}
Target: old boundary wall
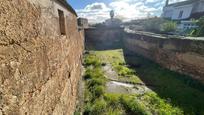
{"x": 102, "y": 38}
{"x": 184, "y": 55}
{"x": 39, "y": 67}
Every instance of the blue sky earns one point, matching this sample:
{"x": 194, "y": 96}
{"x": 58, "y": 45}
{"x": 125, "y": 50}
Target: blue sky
{"x": 80, "y": 4}
{"x": 98, "y": 10}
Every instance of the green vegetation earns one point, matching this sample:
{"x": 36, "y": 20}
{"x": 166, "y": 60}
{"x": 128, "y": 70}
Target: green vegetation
{"x": 180, "y": 90}
{"x": 95, "y": 86}
{"x": 154, "y": 24}
{"x": 133, "y": 106}
{"x": 169, "y": 26}
{"x": 98, "y": 102}
{"x": 198, "y": 32}
{"x": 116, "y": 59}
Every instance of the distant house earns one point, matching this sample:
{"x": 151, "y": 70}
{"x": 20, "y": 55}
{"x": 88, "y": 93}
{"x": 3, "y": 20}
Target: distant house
{"x": 184, "y": 10}
{"x": 185, "y": 25}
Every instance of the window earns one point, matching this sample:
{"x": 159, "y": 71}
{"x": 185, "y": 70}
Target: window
{"x": 180, "y": 14}
{"x": 61, "y": 22}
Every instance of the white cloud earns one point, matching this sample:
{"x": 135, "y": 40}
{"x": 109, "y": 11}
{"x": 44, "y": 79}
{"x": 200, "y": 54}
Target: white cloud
{"x": 173, "y": 1}
{"x": 124, "y": 9}
{"x": 153, "y": 1}
{"x": 96, "y": 6}
{"x": 95, "y": 12}
{"x": 129, "y": 10}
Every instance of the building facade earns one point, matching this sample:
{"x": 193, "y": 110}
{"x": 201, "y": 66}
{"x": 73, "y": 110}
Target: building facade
{"x": 185, "y": 25}
{"x": 184, "y": 10}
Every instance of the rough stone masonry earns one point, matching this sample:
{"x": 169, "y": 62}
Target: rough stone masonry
{"x": 40, "y": 57}
{"x": 183, "y": 55}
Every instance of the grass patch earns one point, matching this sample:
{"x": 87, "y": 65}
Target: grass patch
{"x": 180, "y": 90}
{"x": 116, "y": 59}
{"x": 91, "y": 60}
{"x": 95, "y": 86}
{"x": 160, "y": 106}
{"x": 133, "y": 107}
{"x": 124, "y": 71}
{"x": 98, "y": 102}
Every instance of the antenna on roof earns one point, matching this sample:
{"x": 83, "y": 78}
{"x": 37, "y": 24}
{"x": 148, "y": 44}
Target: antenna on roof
{"x": 167, "y": 2}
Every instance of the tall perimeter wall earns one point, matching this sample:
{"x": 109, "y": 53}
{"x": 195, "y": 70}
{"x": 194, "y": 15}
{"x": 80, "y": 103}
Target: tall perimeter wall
{"x": 39, "y": 67}
{"x": 102, "y": 38}
{"x": 181, "y": 55}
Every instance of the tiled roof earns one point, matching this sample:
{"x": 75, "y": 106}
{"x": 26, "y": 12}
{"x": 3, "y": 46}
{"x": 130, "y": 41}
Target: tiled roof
{"x": 197, "y": 15}
{"x": 65, "y": 4}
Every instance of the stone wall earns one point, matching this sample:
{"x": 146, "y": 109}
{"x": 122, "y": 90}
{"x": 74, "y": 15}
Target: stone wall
{"x": 181, "y": 55}
{"x": 184, "y": 55}
{"x": 39, "y": 67}
{"x": 103, "y": 38}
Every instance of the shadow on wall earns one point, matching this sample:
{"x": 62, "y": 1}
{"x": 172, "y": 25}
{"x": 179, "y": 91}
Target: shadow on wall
{"x": 180, "y": 90}
{"x": 103, "y": 38}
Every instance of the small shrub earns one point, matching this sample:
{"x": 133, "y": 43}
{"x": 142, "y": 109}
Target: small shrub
{"x": 87, "y": 109}
{"x": 113, "y": 100}
{"x": 91, "y": 60}
{"x": 169, "y": 26}
{"x": 131, "y": 105}
{"x": 98, "y": 91}
{"x": 96, "y": 82}
{"x": 99, "y": 107}
{"x": 88, "y": 74}
{"x": 88, "y": 95}
{"x": 124, "y": 71}
{"x": 122, "y": 63}
{"x": 198, "y": 32}
{"x": 96, "y": 73}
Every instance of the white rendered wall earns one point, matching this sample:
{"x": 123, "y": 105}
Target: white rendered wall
{"x": 187, "y": 9}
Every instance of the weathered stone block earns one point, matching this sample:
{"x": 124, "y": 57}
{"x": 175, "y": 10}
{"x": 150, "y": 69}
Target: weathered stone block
{"x": 39, "y": 67}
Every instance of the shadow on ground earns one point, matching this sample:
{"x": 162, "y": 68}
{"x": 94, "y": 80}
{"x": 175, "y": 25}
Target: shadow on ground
{"x": 180, "y": 90}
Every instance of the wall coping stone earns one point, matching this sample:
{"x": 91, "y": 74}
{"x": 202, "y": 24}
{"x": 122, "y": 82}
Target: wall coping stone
{"x": 162, "y": 36}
